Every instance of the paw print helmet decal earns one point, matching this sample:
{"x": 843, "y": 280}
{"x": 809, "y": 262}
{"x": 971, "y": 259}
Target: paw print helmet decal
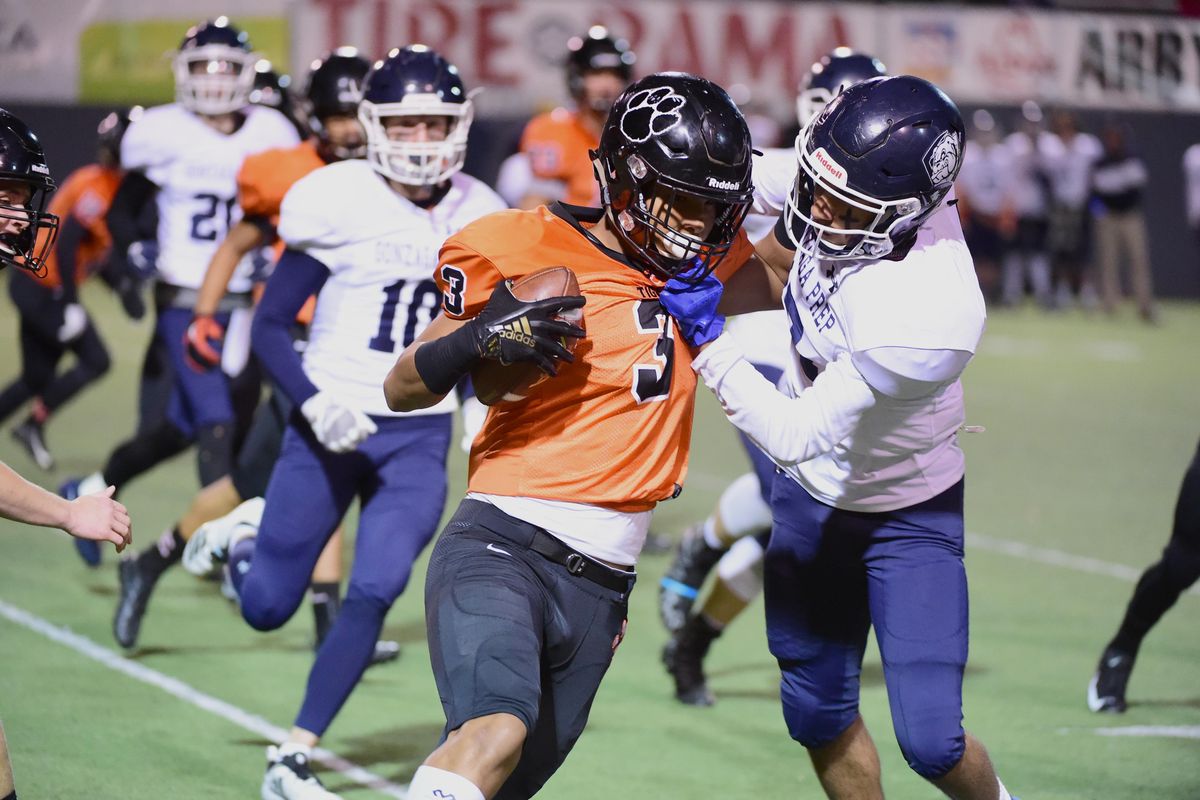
{"x": 675, "y": 148}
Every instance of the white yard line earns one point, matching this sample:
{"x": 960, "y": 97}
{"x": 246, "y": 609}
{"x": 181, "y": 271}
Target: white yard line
{"x": 1161, "y": 731}
{"x": 1057, "y": 558}
{"x": 177, "y": 688}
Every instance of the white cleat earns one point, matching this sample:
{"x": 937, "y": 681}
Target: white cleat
{"x": 212, "y": 541}
{"x": 290, "y": 778}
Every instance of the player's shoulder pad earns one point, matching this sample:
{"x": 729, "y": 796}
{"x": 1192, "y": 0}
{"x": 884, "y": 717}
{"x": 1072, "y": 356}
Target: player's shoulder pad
{"x": 477, "y": 197}
{"x": 157, "y": 137}
{"x": 773, "y": 174}
{"x": 503, "y": 233}
{"x": 321, "y": 209}
{"x": 270, "y": 126}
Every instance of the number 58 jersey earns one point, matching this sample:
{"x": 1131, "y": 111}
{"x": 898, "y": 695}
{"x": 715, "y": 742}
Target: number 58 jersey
{"x": 380, "y": 250}
{"x": 613, "y": 428}
{"x": 195, "y": 168}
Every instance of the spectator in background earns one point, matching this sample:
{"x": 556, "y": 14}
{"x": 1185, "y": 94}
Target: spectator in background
{"x": 1117, "y": 182}
{"x": 1067, "y": 156}
{"x": 1027, "y": 258}
{"x": 1191, "y": 177}
{"x": 553, "y": 162}
{"x": 985, "y": 195}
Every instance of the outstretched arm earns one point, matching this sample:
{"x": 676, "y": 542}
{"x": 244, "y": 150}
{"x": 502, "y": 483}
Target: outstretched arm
{"x": 97, "y": 516}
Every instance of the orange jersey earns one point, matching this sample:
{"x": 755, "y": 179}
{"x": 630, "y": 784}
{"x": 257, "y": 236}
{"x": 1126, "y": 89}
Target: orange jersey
{"x": 557, "y": 145}
{"x": 612, "y": 428}
{"x": 265, "y": 178}
{"x": 84, "y": 197}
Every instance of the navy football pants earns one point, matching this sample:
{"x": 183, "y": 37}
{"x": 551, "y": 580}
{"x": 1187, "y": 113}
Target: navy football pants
{"x": 829, "y": 575}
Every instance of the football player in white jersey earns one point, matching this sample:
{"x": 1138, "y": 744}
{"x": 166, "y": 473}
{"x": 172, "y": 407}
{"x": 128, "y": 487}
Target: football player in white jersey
{"x": 885, "y": 313}
{"x": 364, "y": 236}
{"x": 184, "y": 157}
{"x": 734, "y": 537}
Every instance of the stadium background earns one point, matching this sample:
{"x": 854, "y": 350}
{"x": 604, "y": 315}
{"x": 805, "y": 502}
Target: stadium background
{"x": 1090, "y": 423}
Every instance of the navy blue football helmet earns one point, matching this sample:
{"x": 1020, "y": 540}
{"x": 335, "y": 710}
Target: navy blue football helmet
{"x": 214, "y": 68}
{"x": 674, "y": 137}
{"x": 832, "y": 75}
{"x": 415, "y": 81}
{"x": 27, "y": 231}
{"x": 889, "y": 146}
{"x": 335, "y": 88}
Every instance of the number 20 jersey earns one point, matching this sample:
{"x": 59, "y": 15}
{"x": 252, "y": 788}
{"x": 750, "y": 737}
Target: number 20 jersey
{"x": 613, "y": 428}
{"x": 380, "y": 250}
{"x": 195, "y": 168}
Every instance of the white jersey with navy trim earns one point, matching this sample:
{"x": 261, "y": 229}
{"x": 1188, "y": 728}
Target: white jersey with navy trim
{"x": 909, "y": 327}
{"x": 195, "y": 168}
{"x": 381, "y": 251}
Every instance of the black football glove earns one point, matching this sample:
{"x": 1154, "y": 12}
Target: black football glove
{"x": 509, "y": 330}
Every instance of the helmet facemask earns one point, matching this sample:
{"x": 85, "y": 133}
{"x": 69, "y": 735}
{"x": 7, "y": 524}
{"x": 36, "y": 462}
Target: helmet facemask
{"x": 213, "y": 79}
{"x": 28, "y": 248}
{"x": 427, "y": 163}
{"x": 889, "y": 219}
{"x": 644, "y": 208}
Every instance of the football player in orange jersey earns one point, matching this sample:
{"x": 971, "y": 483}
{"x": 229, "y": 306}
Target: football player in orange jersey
{"x": 527, "y": 590}
{"x": 53, "y": 322}
{"x": 332, "y": 94}
{"x": 552, "y": 162}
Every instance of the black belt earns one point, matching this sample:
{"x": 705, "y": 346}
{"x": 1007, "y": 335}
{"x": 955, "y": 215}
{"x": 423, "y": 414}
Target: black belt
{"x": 531, "y": 537}
{"x": 578, "y": 564}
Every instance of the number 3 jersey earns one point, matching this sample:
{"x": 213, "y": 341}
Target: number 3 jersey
{"x": 612, "y": 429}
{"x": 195, "y": 168}
{"x": 380, "y": 250}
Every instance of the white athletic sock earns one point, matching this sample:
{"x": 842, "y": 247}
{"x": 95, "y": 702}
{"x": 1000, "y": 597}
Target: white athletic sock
{"x": 1004, "y": 795}
{"x": 92, "y": 484}
{"x": 710, "y": 534}
{"x": 291, "y": 748}
{"x": 431, "y": 783}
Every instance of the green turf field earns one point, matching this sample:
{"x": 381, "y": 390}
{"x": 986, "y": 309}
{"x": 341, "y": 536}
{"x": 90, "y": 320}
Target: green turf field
{"x": 1090, "y": 423}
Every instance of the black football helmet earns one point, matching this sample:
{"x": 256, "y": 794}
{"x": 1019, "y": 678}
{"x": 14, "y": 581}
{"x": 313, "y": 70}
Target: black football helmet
{"x": 27, "y": 231}
{"x": 832, "y": 75}
{"x": 671, "y": 136}
{"x": 595, "y": 51}
{"x": 415, "y": 81}
{"x": 214, "y": 68}
{"x": 111, "y": 131}
{"x": 335, "y": 88}
{"x": 889, "y": 146}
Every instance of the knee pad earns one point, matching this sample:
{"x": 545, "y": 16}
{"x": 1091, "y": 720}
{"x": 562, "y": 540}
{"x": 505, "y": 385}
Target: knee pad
{"x": 812, "y": 720}
{"x": 264, "y": 609}
{"x": 934, "y": 748}
{"x": 741, "y": 508}
{"x": 741, "y": 569}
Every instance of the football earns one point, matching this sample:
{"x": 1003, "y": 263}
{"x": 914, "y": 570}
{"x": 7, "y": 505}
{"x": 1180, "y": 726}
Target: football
{"x": 495, "y": 382}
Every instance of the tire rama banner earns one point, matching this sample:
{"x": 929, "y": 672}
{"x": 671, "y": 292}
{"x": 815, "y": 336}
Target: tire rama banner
{"x": 116, "y": 50}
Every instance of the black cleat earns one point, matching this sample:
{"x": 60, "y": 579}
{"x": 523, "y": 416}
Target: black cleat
{"x": 679, "y": 586}
{"x": 683, "y": 657}
{"x": 30, "y": 436}
{"x": 135, "y": 589}
{"x": 1106, "y": 690}
{"x": 289, "y": 777}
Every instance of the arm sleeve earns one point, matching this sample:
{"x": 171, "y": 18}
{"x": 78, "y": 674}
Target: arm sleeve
{"x": 66, "y": 248}
{"x": 907, "y": 373}
{"x": 124, "y": 215}
{"x": 789, "y": 430}
{"x": 296, "y": 277}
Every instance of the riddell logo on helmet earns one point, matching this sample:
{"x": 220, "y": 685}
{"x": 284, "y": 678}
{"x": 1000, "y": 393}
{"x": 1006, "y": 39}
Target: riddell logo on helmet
{"x": 714, "y": 183}
{"x": 828, "y": 167}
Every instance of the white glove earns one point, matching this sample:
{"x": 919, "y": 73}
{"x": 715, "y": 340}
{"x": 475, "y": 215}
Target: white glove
{"x": 473, "y": 415}
{"x": 338, "y": 428}
{"x": 75, "y": 321}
